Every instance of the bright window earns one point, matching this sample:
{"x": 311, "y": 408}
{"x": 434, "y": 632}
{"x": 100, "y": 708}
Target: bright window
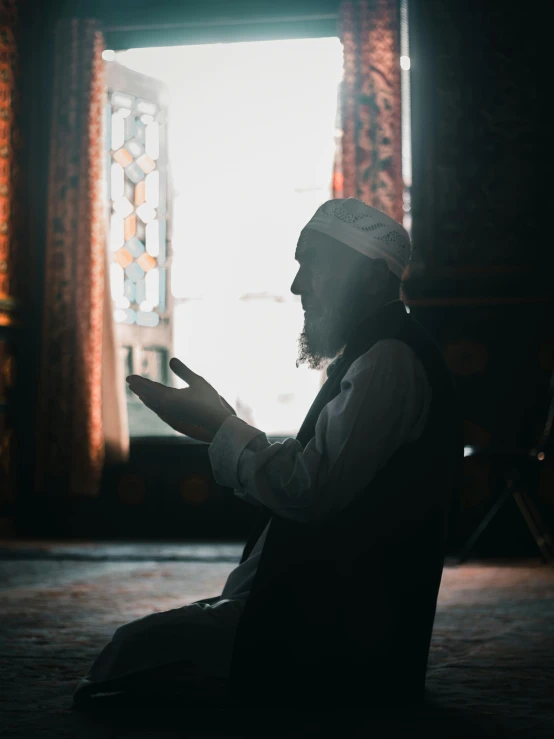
{"x": 251, "y": 140}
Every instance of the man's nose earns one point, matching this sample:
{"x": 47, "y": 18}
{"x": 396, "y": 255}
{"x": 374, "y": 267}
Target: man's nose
{"x": 299, "y": 284}
{"x": 294, "y": 287}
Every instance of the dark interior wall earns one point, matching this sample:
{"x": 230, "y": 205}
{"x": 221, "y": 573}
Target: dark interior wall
{"x": 30, "y": 23}
{"x": 33, "y": 110}
{"x": 481, "y": 287}
{"x": 484, "y": 289}
{"x": 475, "y": 81}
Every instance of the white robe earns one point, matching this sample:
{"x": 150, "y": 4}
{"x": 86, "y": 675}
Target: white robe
{"x": 383, "y": 404}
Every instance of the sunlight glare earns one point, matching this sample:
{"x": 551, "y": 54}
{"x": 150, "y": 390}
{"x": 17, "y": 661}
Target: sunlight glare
{"x": 251, "y": 137}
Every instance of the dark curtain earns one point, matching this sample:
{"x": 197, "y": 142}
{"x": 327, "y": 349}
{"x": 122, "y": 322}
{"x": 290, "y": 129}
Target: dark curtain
{"x": 10, "y": 196}
{"x": 71, "y": 432}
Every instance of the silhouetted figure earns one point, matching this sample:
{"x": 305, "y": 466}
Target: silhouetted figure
{"x": 333, "y": 602}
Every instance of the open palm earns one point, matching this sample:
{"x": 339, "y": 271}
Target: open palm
{"x": 197, "y": 411}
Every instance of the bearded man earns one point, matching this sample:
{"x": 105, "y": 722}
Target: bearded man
{"x": 334, "y": 599}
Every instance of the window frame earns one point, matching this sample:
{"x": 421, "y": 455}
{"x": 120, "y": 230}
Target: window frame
{"x": 123, "y": 37}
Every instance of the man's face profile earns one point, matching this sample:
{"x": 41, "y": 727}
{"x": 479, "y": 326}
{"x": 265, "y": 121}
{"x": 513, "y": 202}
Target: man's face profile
{"x": 334, "y": 283}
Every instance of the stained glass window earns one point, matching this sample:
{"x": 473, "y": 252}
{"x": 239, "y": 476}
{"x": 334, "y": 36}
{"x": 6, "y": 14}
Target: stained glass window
{"x": 138, "y": 241}
{"x": 137, "y": 193}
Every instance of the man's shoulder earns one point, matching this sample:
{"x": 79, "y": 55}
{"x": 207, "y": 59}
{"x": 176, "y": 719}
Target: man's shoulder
{"x": 393, "y": 354}
{"x": 392, "y": 362}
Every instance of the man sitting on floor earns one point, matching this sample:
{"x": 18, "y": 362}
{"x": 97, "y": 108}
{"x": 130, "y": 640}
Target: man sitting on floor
{"x": 335, "y": 595}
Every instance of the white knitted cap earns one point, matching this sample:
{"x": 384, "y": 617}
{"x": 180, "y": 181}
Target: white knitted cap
{"x": 365, "y": 229}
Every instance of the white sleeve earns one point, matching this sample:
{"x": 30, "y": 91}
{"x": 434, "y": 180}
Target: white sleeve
{"x": 383, "y": 404}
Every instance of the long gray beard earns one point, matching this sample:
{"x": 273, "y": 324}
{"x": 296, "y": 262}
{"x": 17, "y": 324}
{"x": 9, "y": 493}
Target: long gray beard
{"x": 322, "y": 338}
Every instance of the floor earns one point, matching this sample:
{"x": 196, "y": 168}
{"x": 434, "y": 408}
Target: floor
{"x": 491, "y": 668}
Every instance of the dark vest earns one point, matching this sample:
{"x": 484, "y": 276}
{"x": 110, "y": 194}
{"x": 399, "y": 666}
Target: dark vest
{"x": 343, "y": 610}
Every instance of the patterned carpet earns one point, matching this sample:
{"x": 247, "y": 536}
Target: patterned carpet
{"x": 491, "y": 671}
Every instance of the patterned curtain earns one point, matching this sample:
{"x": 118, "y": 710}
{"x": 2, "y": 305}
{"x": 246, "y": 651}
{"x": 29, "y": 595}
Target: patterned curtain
{"x": 78, "y": 366}
{"x": 8, "y": 161}
{"x": 368, "y": 162}
{"x": 10, "y": 215}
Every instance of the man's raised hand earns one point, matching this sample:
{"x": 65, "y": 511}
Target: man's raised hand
{"x": 197, "y": 410}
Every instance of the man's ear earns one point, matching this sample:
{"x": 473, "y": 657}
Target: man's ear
{"x": 378, "y": 276}
{"x": 382, "y": 267}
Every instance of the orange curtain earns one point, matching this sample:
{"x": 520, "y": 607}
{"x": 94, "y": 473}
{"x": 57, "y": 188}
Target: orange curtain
{"x": 10, "y": 214}
{"x": 368, "y": 163}
{"x": 78, "y": 395}
{"x": 8, "y": 160}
